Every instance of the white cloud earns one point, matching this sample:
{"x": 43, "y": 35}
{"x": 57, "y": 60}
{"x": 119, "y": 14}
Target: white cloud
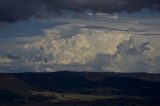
{"x": 107, "y": 46}
{"x": 81, "y": 45}
{"x": 5, "y": 60}
{"x": 98, "y": 49}
{"x": 139, "y": 54}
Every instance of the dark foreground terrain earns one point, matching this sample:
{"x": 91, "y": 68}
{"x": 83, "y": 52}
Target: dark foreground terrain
{"x": 79, "y": 89}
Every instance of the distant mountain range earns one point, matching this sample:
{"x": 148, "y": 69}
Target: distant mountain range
{"x": 77, "y": 88}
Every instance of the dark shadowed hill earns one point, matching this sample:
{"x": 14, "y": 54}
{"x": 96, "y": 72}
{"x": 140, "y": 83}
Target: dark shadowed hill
{"x": 139, "y": 84}
{"x": 35, "y": 87}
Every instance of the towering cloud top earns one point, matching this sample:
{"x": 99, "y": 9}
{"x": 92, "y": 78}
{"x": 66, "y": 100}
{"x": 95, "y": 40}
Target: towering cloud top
{"x": 14, "y": 10}
{"x": 83, "y": 45}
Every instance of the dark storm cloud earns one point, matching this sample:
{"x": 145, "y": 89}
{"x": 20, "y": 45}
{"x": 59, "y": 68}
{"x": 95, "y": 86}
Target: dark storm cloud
{"x": 14, "y": 10}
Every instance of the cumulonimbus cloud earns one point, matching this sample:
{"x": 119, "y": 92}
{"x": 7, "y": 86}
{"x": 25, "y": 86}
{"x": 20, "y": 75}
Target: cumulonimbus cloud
{"x": 15, "y": 10}
{"x": 98, "y": 49}
{"x": 81, "y": 47}
{"x": 138, "y": 54}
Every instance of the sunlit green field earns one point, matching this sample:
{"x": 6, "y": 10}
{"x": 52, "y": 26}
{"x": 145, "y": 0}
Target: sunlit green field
{"x": 72, "y": 97}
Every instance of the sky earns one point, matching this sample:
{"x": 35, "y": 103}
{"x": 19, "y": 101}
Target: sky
{"x": 80, "y": 35}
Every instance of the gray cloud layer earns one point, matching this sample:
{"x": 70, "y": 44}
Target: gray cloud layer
{"x": 15, "y": 10}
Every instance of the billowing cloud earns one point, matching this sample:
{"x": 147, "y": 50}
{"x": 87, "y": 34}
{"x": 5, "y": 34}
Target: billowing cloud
{"x": 15, "y": 10}
{"x": 139, "y": 54}
{"x": 4, "y": 60}
{"x": 96, "y": 42}
{"x": 79, "y": 47}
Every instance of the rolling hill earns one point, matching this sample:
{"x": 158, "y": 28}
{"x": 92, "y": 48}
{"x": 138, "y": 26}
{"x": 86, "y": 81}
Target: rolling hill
{"x": 84, "y": 87}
